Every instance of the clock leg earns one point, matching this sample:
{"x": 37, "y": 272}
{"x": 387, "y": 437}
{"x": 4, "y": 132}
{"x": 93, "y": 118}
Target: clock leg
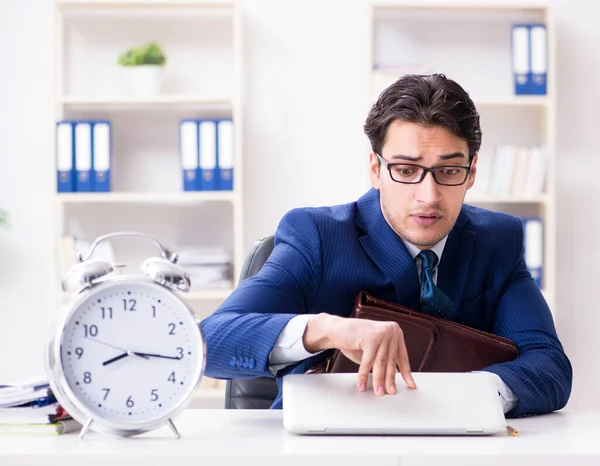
{"x": 85, "y": 428}
{"x": 174, "y": 429}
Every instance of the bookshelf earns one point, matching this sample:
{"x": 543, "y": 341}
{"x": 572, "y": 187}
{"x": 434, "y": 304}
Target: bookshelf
{"x": 202, "y": 41}
{"x": 470, "y": 42}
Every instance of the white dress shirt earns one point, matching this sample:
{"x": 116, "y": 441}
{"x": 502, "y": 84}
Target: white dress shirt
{"x": 289, "y": 347}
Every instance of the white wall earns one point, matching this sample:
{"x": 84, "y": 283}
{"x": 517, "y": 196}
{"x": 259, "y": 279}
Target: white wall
{"x": 26, "y": 178}
{"x": 305, "y": 106}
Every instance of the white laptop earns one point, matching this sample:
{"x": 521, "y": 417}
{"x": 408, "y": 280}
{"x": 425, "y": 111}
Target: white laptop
{"x": 442, "y": 404}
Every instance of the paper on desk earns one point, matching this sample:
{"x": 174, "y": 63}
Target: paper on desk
{"x": 14, "y": 394}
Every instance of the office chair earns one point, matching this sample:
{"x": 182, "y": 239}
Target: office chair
{"x": 253, "y": 393}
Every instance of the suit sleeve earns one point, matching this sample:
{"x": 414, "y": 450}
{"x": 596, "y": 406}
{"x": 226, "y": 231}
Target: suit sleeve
{"x": 541, "y": 376}
{"x": 241, "y": 333}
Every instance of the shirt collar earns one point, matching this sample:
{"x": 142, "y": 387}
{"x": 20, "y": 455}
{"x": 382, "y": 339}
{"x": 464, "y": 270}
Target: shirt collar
{"x": 438, "y": 248}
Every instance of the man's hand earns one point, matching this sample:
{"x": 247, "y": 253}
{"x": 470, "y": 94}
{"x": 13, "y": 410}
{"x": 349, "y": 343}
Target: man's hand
{"x": 376, "y": 346}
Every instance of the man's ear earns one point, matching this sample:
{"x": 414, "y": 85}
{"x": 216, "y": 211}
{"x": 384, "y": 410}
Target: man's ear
{"x": 374, "y": 170}
{"x": 473, "y": 174}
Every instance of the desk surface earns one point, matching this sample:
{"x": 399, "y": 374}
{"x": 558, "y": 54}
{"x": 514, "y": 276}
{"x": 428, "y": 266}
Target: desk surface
{"x": 252, "y": 437}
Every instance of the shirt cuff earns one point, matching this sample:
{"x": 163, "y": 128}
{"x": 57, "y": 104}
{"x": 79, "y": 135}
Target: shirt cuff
{"x": 289, "y": 347}
{"x": 507, "y": 397}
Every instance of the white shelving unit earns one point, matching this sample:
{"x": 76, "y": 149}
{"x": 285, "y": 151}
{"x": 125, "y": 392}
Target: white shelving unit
{"x": 470, "y": 42}
{"x": 202, "y": 41}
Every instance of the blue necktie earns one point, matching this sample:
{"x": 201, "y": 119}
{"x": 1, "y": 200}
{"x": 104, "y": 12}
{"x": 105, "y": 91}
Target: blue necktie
{"x": 433, "y": 300}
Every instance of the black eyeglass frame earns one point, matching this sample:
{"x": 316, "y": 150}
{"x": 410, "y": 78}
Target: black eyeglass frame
{"x": 426, "y": 170}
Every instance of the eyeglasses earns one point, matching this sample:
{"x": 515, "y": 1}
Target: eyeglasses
{"x": 408, "y": 173}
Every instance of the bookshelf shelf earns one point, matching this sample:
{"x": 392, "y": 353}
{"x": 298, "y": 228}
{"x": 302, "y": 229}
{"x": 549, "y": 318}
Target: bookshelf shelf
{"x": 141, "y": 4}
{"x": 162, "y": 100}
{"x": 516, "y": 101}
{"x": 464, "y": 5}
{"x": 146, "y": 198}
{"x": 480, "y": 198}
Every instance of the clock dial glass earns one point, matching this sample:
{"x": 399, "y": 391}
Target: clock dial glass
{"x": 131, "y": 352}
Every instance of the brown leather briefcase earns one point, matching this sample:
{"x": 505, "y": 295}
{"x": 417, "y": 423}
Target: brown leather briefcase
{"x": 433, "y": 344}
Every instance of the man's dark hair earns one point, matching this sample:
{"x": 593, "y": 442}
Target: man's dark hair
{"x": 431, "y": 100}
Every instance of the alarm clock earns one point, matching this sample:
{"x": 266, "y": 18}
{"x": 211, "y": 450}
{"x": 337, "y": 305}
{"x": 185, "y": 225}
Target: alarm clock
{"x": 127, "y": 353}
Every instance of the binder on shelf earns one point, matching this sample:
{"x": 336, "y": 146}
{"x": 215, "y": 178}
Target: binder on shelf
{"x": 508, "y": 163}
{"x": 101, "y": 156}
{"x": 539, "y": 59}
{"x": 207, "y": 162}
{"x": 521, "y": 170}
{"x": 534, "y": 247}
{"x": 83, "y": 156}
{"x": 502, "y": 169}
{"x": 536, "y": 176}
{"x": 225, "y": 154}
{"x": 65, "y": 156}
{"x": 521, "y": 59}
{"x": 188, "y": 152}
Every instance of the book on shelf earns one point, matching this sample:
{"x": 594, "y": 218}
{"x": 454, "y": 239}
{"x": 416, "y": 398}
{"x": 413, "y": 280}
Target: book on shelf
{"x": 511, "y": 171}
{"x": 83, "y": 155}
{"x": 533, "y": 239}
{"x": 529, "y": 51}
{"x": 206, "y": 154}
{"x": 208, "y": 267}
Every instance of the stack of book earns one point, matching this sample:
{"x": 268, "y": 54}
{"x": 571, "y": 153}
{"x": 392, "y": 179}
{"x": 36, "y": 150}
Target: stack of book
{"x": 208, "y": 267}
{"x": 31, "y": 408}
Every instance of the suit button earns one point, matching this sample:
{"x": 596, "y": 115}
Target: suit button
{"x": 240, "y": 361}
{"x": 232, "y": 361}
{"x": 252, "y": 363}
{"x": 245, "y": 364}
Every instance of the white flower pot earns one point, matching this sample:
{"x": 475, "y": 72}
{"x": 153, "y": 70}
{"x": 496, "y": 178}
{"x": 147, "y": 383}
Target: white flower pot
{"x": 144, "y": 80}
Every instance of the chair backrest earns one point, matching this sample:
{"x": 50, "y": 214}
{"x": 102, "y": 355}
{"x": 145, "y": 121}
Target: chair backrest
{"x": 253, "y": 393}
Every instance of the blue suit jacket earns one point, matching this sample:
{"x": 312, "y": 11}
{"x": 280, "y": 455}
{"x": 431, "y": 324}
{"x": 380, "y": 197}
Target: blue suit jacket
{"x": 324, "y": 256}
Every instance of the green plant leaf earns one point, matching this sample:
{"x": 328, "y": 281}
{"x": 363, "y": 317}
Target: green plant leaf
{"x": 148, "y": 54}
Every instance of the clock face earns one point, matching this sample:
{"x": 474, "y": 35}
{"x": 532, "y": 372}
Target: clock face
{"x": 131, "y": 352}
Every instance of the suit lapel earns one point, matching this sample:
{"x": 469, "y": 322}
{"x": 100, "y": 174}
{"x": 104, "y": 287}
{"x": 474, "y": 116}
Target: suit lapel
{"x": 456, "y": 259}
{"x": 387, "y": 251}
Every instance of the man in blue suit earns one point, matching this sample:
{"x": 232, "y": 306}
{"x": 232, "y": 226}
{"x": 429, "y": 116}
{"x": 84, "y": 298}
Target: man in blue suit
{"x": 410, "y": 240}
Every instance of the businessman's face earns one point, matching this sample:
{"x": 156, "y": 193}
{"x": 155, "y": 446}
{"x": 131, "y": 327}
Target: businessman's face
{"x": 421, "y": 213}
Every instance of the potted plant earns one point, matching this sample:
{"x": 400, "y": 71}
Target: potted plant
{"x": 144, "y": 65}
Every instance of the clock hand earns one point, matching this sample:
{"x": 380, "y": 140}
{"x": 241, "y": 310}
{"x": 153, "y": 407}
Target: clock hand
{"x": 116, "y": 358}
{"x": 146, "y": 355}
{"x": 126, "y": 352}
{"x": 106, "y": 344}
{"x": 124, "y": 355}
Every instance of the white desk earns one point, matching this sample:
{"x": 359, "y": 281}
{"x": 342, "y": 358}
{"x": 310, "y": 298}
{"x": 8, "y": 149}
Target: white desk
{"x": 244, "y": 438}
